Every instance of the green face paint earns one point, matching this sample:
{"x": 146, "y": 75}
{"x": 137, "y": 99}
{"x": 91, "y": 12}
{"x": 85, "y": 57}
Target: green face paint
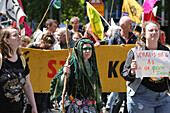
{"x": 87, "y": 48}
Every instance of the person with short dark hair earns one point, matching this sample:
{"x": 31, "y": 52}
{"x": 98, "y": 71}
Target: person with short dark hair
{"x": 51, "y": 26}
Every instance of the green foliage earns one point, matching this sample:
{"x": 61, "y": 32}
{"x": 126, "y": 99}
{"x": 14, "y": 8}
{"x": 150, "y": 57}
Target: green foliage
{"x": 72, "y": 8}
{"x": 35, "y": 9}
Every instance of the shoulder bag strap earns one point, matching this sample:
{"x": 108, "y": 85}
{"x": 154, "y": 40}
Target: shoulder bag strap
{"x": 23, "y": 61}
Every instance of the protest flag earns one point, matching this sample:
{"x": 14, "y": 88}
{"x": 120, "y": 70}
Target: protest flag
{"x": 149, "y": 16}
{"x": 154, "y": 11}
{"x": 148, "y": 5}
{"x": 52, "y": 1}
{"x": 96, "y": 23}
{"x": 20, "y": 3}
{"x": 28, "y": 30}
{"x": 12, "y": 10}
{"x": 132, "y": 9}
{"x": 57, "y": 4}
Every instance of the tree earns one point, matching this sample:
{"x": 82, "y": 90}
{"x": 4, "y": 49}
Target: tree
{"x": 72, "y": 8}
{"x": 35, "y": 10}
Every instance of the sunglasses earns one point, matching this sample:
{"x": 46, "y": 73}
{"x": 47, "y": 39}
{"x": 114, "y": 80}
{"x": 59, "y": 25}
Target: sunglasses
{"x": 87, "y": 48}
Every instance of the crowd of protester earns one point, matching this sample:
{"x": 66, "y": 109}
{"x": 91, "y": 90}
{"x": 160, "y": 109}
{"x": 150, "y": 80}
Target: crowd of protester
{"x": 54, "y": 38}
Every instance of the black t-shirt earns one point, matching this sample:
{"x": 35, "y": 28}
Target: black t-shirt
{"x": 79, "y": 30}
{"x": 155, "y": 84}
{"x": 11, "y": 85}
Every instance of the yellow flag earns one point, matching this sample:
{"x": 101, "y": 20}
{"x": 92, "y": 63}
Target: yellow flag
{"x": 133, "y": 9}
{"x": 96, "y": 23}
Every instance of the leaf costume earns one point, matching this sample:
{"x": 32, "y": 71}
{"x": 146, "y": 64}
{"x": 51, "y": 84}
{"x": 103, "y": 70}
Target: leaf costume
{"x": 83, "y": 83}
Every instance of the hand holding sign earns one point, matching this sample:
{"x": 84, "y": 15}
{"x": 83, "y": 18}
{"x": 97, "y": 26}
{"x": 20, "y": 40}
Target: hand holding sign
{"x": 133, "y": 67}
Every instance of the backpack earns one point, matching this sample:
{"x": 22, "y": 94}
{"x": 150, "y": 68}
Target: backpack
{"x": 22, "y": 59}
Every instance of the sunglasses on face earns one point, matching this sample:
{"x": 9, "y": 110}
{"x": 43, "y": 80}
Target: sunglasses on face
{"x": 87, "y": 48}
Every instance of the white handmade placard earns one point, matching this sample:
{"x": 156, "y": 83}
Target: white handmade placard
{"x": 152, "y": 63}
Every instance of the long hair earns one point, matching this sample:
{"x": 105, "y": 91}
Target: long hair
{"x": 142, "y": 40}
{"x": 6, "y": 50}
{"x": 81, "y": 73}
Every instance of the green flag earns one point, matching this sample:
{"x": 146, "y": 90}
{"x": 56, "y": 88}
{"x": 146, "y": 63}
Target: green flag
{"x": 57, "y": 4}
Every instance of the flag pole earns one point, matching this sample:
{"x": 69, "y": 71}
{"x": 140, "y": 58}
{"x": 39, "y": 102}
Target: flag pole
{"x": 98, "y": 13}
{"x": 135, "y": 26}
{"x": 44, "y": 16}
{"x": 111, "y": 11}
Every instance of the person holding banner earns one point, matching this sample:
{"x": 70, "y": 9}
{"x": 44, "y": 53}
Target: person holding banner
{"x": 14, "y": 74}
{"x": 120, "y": 36}
{"x": 91, "y": 35}
{"x": 42, "y": 99}
{"x": 46, "y": 43}
{"x": 146, "y": 94}
{"x": 83, "y": 89}
{"x": 125, "y": 34}
{"x": 61, "y": 37}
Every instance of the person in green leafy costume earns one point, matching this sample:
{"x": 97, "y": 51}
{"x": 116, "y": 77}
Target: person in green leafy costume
{"x": 83, "y": 89}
